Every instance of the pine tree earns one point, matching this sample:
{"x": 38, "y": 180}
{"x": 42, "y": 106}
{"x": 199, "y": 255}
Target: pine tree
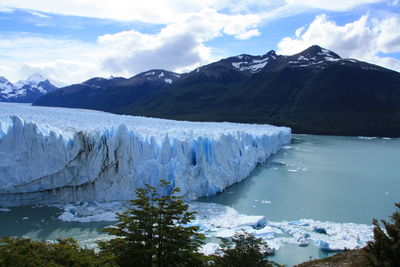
{"x": 384, "y": 251}
{"x": 244, "y": 250}
{"x": 154, "y": 231}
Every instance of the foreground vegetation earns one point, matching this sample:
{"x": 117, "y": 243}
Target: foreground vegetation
{"x": 156, "y": 231}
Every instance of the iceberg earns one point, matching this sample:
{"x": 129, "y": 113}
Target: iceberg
{"x": 57, "y": 155}
{"x": 217, "y": 221}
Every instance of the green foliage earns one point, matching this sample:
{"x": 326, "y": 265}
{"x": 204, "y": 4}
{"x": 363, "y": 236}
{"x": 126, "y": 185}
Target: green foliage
{"x": 154, "y": 231}
{"x": 243, "y": 250}
{"x": 65, "y": 252}
{"x": 384, "y": 251}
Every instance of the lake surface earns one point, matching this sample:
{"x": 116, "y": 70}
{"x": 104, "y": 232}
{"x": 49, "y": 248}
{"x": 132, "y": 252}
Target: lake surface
{"x": 326, "y": 178}
{"x": 338, "y": 179}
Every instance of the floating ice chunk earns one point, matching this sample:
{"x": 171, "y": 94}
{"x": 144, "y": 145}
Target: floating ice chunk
{"x": 267, "y": 232}
{"x": 319, "y": 230}
{"x": 264, "y": 201}
{"x": 230, "y": 232}
{"x": 339, "y": 245}
{"x": 220, "y": 216}
{"x": 92, "y": 212}
{"x": 327, "y": 235}
{"x": 220, "y": 221}
{"x": 209, "y": 249}
{"x": 25, "y": 218}
{"x": 104, "y": 217}
{"x": 367, "y": 137}
{"x": 4, "y": 210}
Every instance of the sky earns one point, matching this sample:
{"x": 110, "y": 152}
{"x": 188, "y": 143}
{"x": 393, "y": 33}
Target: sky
{"x": 71, "y": 41}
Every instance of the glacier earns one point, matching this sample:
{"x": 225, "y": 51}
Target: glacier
{"x": 57, "y": 155}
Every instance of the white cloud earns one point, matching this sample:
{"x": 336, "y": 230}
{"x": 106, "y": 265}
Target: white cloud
{"x": 40, "y": 15}
{"x": 363, "y": 39}
{"x": 4, "y": 9}
{"x": 333, "y": 5}
{"x": 59, "y": 59}
{"x": 162, "y": 11}
{"x": 135, "y": 52}
{"x": 179, "y": 46}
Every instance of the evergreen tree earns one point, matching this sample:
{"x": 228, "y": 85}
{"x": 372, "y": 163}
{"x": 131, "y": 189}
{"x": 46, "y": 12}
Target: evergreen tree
{"x": 244, "y": 250}
{"x": 154, "y": 231}
{"x": 65, "y": 252}
{"x": 384, "y": 251}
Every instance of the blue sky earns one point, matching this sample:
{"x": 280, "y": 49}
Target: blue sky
{"x": 71, "y": 41}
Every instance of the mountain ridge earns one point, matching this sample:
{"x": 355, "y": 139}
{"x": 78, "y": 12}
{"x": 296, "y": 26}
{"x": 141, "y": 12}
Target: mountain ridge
{"x": 25, "y": 91}
{"x": 314, "y": 91}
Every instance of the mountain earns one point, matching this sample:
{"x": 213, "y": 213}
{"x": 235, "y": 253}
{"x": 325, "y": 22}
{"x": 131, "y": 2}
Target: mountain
{"x": 25, "y": 91}
{"x": 109, "y": 94}
{"x": 315, "y": 91}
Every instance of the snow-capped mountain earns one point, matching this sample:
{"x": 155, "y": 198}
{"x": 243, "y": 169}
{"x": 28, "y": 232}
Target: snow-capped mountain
{"x": 110, "y": 94}
{"x": 25, "y": 91}
{"x": 160, "y": 76}
{"x": 6, "y": 87}
{"x": 252, "y": 64}
{"x": 314, "y": 91}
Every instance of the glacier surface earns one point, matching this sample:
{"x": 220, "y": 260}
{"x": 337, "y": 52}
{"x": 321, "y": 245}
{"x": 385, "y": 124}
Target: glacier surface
{"x": 57, "y": 155}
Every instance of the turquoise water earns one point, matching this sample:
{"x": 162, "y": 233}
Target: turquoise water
{"x": 338, "y": 179}
{"x": 41, "y": 223}
{"x": 326, "y": 178}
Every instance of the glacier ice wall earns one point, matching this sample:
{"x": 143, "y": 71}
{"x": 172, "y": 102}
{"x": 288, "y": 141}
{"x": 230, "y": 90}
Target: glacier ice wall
{"x": 56, "y": 155}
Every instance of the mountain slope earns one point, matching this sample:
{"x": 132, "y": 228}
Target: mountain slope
{"x": 314, "y": 91}
{"x": 25, "y": 91}
{"x": 109, "y": 94}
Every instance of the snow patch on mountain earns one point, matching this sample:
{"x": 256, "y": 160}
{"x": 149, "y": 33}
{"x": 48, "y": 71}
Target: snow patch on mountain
{"x": 252, "y": 64}
{"x": 6, "y": 87}
{"x": 159, "y": 75}
{"x": 25, "y": 90}
{"x": 32, "y": 80}
{"x": 56, "y": 155}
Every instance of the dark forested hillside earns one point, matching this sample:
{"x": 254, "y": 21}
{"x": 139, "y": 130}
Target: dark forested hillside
{"x": 315, "y": 91}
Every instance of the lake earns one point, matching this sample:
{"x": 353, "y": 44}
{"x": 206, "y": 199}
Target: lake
{"x": 326, "y": 178}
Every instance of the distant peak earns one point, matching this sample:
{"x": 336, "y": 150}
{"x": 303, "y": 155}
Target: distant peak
{"x": 3, "y": 80}
{"x": 36, "y": 77}
{"x": 317, "y": 51}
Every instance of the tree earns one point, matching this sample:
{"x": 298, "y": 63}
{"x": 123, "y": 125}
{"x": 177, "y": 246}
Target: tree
{"x": 244, "y": 250}
{"x": 384, "y": 251}
{"x": 154, "y": 231}
{"x": 64, "y": 252}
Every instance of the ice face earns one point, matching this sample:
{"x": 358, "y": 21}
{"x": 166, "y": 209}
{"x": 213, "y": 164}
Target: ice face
{"x": 57, "y": 155}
